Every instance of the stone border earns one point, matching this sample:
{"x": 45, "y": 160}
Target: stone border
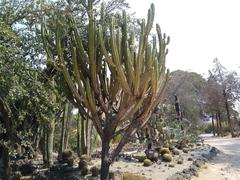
{"x": 195, "y": 166}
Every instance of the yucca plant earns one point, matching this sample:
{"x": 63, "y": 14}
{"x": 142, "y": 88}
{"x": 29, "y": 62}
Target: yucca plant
{"x": 114, "y": 78}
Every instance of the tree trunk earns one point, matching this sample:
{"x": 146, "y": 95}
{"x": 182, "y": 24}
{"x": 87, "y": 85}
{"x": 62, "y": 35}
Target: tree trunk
{"x": 213, "y": 128}
{"x": 64, "y": 119}
{"x": 6, "y": 165}
{"x": 105, "y": 159}
{"x": 6, "y": 137}
{"x": 220, "y": 122}
{"x": 230, "y": 124}
{"x": 83, "y": 144}
{"x": 68, "y": 125}
{"x": 44, "y": 145}
{"x": 78, "y": 135}
{"x": 50, "y": 137}
{"x": 88, "y": 136}
{"x": 217, "y": 123}
{"x": 36, "y": 139}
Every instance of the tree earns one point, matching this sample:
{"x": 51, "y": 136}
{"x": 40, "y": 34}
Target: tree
{"x": 111, "y": 81}
{"x": 213, "y": 102}
{"x": 230, "y": 89}
{"x": 187, "y": 86}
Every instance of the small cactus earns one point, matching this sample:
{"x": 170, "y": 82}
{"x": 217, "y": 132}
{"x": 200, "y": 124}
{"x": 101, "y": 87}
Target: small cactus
{"x": 164, "y": 151}
{"x": 83, "y": 164}
{"x": 185, "y": 150}
{"x": 180, "y": 160}
{"x": 167, "y": 157}
{"x": 147, "y": 162}
{"x": 171, "y": 147}
{"x": 140, "y": 158}
{"x": 86, "y": 157}
{"x": 95, "y": 171}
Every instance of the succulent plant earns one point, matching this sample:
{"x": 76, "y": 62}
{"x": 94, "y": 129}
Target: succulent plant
{"x": 167, "y": 157}
{"x": 147, "y": 162}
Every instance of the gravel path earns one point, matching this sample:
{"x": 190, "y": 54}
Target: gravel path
{"x": 226, "y": 165}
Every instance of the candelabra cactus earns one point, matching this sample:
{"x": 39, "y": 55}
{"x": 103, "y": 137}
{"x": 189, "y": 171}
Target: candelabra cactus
{"x": 111, "y": 81}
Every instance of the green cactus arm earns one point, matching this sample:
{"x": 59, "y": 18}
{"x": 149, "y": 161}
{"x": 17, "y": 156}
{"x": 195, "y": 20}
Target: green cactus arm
{"x": 77, "y": 71}
{"x": 78, "y": 77}
{"x": 126, "y": 54}
{"x": 46, "y": 47}
{"x": 138, "y": 61}
{"x": 92, "y": 48}
{"x": 103, "y": 49}
{"x": 90, "y": 98}
{"x": 115, "y": 55}
{"x": 129, "y": 66}
{"x": 64, "y": 69}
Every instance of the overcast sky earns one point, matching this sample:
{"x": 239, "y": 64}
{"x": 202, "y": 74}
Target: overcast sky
{"x": 200, "y": 30}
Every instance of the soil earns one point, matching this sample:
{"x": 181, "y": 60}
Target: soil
{"x": 159, "y": 170}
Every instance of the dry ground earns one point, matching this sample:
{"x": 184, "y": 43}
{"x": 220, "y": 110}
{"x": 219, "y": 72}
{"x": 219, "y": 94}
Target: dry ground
{"x": 226, "y": 165}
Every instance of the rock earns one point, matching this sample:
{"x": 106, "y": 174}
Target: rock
{"x": 147, "y": 162}
{"x": 95, "y": 171}
{"x": 198, "y": 163}
{"x": 185, "y": 150}
{"x": 167, "y": 157}
{"x": 190, "y": 159}
{"x": 198, "y": 144}
{"x": 152, "y": 155}
{"x": 164, "y": 151}
{"x": 175, "y": 152}
{"x": 176, "y": 177}
{"x": 171, "y": 165}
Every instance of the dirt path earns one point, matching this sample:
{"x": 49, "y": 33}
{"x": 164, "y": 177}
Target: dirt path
{"x": 226, "y": 166}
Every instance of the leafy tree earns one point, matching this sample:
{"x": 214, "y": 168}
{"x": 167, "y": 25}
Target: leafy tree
{"x": 188, "y": 87}
{"x": 229, "y": 84}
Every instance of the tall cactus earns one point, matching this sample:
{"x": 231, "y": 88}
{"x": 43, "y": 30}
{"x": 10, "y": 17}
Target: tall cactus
{"x": 114, "y": 83}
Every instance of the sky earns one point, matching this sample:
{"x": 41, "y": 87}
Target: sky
{"x": 200, "y": 30}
